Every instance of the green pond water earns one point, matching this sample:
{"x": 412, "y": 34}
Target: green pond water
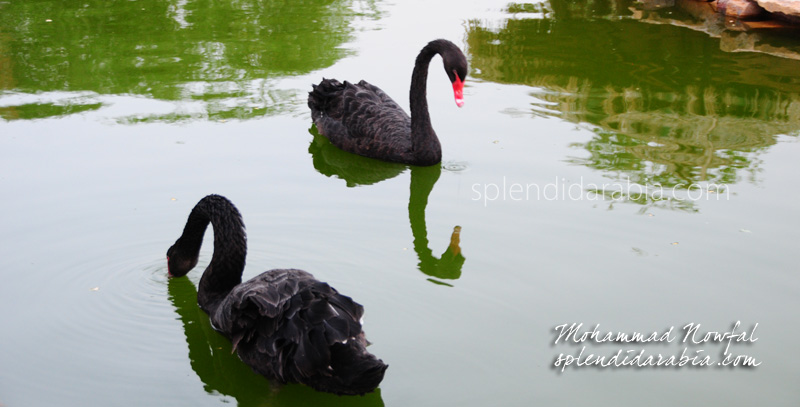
{"x": 606, "y": 170}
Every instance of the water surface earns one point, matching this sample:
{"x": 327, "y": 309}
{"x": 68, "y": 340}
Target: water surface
{"x": 604, "y": 170}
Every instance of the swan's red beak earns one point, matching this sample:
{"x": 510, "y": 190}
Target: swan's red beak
{"x": 458, "y": 91}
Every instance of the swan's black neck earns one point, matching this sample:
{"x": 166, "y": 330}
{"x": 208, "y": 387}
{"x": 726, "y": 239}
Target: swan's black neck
{"x": 230, "y": 247}
{"x": 426, "y": 147}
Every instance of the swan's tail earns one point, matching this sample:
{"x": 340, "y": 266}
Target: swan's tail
{"x": 355, "y": 370}
{"x": 321, "y": 97}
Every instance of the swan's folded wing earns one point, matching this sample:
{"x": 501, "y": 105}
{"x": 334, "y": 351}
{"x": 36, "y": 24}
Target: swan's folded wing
{"x": 380, "y": 94}
{"x": 283, "y": 322}
{"x": 367, "y": 112}
{"x": 257, "y": 306}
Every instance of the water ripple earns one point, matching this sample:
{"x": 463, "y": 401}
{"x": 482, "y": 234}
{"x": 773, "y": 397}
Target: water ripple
{"x": 455, "y": 166}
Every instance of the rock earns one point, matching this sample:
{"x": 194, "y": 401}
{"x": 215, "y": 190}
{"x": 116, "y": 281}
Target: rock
{"x": 788, "y": 7}
{"x": 749, "y": 42}
{"x": 741, "y": 9}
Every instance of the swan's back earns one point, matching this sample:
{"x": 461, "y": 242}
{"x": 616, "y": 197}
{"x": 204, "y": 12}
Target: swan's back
{"x": 291, "y": 327}
{"x": 361, "y": 119}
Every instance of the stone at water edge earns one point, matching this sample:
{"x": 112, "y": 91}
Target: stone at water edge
{"x": 788, "y": 7}
{"x": 743, "y": 9}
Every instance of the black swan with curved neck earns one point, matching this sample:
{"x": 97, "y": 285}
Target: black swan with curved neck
{"x": 364, "y": 120}
{"x": 284, "y": 324}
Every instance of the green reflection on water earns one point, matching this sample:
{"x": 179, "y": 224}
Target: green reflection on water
{"x": 44, "y": 110}
{"x": 356, "y": 170}
{"x": 223, "y": 373}
{"x": 668, "y": 107}
{"x": 215, "y": 51}
{"x": 448, "y": 265}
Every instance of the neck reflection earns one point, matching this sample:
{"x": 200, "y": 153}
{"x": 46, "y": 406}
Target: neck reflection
{"x": 448, "y": 265}
{"x": 359, "y": 171}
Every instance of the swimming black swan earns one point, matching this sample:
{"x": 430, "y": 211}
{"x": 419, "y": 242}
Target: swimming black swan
{"x": 363, "y": 120}
{"x": 284, "y": 324}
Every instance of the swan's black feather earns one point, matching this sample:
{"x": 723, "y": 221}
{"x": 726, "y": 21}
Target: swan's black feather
{"x": 360, "y": 120}
{"x": 284, "y": 324}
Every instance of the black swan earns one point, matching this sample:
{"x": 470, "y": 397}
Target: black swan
{"x": 364, "y": 120}
{"x": 284, "y": 324}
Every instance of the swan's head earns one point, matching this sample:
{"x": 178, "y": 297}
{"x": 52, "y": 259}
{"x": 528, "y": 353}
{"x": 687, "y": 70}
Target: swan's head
{"x": 179, "y": 264}
{"x": 455, "y": 64}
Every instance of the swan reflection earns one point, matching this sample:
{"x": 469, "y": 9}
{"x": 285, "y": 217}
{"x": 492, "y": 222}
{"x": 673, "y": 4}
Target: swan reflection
{"x": 448, "y": 265}
{"x": 357, "y": 171}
